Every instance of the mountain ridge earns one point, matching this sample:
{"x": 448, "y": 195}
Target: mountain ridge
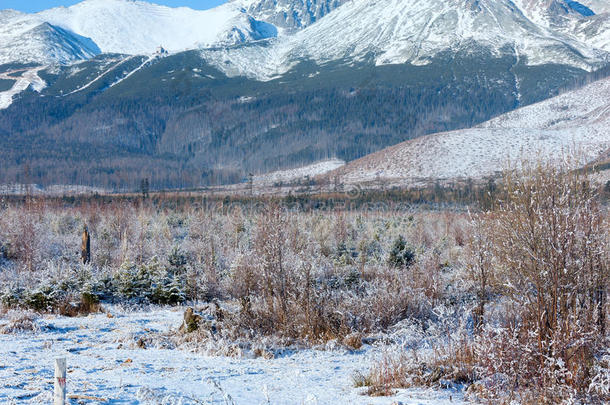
{"x": 137, "y": 27}
{"x": 393, "y": 32}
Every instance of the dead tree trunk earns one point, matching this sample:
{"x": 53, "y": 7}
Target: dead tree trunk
{"x": 85, "y": 249}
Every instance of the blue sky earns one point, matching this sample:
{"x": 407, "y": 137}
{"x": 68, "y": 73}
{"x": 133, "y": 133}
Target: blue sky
{"x": 31, "y": 6}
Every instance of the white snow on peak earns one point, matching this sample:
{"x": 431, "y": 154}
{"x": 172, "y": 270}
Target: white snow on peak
{"x": 381, "y": 31}
{"x": 138, "y": 27}
{"x": 564, "y": 17}
{"x": 26, "y": 38}
{"x": 574, "y": 122}
{"x": 397, "y": 31}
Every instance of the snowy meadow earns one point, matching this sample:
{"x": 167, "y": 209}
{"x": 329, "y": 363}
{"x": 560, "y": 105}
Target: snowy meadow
{"x": 267, "y": 302}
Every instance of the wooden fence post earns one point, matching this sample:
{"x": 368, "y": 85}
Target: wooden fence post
{"x": 60, "y": 382}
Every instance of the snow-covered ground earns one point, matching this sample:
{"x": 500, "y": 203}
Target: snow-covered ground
{"x": 104, "y": 362}
{"x": 574, "y": 122}
{"x": 299, "y": 173}
{"x": 59, "y": 189}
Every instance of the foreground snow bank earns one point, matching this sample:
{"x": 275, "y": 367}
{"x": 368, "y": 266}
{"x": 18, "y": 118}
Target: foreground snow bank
{"x": 104, "y": 361}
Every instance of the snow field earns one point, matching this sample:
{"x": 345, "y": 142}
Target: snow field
{"x": 104, "y": 362}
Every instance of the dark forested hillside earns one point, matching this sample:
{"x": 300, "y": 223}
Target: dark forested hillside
{"x": 115, "y": 120}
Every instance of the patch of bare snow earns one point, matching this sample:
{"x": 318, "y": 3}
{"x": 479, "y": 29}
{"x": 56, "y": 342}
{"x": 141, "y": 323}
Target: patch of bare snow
{"x": 57, "y": 189}
{"x": 104, "y": 362}
{"x": 300, "y": 173}
{"x": 27, "y": 79}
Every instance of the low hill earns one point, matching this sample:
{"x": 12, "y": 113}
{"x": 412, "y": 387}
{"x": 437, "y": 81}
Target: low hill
{"x": 574, "y": 121}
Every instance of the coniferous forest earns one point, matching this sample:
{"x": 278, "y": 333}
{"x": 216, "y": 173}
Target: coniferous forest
{"x": 172, "y": 124}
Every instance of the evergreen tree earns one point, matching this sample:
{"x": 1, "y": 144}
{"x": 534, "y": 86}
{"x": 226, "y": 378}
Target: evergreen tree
{"x": 401, "y": 255}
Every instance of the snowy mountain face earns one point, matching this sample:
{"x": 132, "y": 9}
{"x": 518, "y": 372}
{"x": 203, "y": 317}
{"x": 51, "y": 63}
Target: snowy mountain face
{"x": 122, "y": 26}
{"x": 382, "y": 31}
{"x": 553, "y": 12}
{"x": 137, "y": 27}
{"x": 25, "y": 38}
{"x": 587, "y": 21}
{"x": 396, "y": 32}
{"x": 291, "y": 15}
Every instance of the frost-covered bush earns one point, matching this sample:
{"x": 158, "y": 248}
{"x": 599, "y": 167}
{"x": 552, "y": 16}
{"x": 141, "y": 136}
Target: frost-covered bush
{"x": 600, "y": 375}
{"x": 67, "y": 297}
{"x": 43, "y": 298}
{"x": 132, "y": 281}
{"x": 287, "y": 285}
{"x": 11, "y": 296}
{"x": 306, "y": 275}
{"x": 526, "y": 300}
{"x": 432, "y": 352}
{"x": 545, "y": 250}
{"x": 20, "y": 322}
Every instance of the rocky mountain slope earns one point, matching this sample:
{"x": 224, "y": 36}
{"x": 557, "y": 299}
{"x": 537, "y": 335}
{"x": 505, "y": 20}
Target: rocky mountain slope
{"x": 397, "y": 32}
{"x": 589, "y": 22}
{"x": 290, "y": 15}
{"x": 598, "y": 6}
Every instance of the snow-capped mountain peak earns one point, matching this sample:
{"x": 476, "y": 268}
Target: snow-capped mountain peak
{"x": 27, "y": 38}
{"x": 414, "y": 32}
{"x": 535, "y": 32}
{"x": 138, "y": 27}
{"x": 128, "y": 27}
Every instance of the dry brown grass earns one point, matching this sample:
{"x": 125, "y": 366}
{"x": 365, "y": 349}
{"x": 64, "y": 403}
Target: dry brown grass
{"x": 87, "y": 304}
{"x": 536, "y": 267}
{"x": 19, "y": 322}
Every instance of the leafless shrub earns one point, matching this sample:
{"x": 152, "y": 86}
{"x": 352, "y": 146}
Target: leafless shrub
{"x": 308, "y": 276}
{"x": 19, "y": 322}
{"x": 87, "y": 304}
{"x": 545, "y": 248}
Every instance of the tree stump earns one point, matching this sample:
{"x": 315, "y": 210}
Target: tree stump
{"x": 191, "y": 321}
